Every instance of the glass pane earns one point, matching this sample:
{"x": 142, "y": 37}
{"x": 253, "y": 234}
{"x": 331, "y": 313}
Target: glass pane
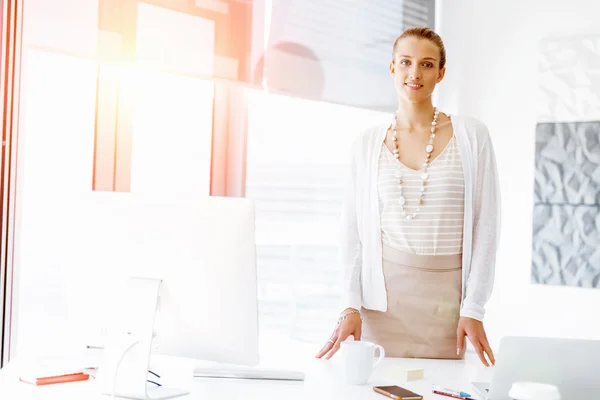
{"x": 61, "y": 25}
{"x": 56, "y": 139}
{"x": 338, "y": 51}
{"x": 297, "y": 155}
{"x": 172, "y": 135}
{"x": 171, "y": 155}
{"x": 188, "y": 48}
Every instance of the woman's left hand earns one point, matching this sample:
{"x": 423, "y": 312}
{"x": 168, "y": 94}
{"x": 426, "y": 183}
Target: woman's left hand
{"x": 474, "y": 330}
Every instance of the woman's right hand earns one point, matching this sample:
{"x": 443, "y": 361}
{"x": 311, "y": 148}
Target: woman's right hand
{"x": 350, "y": 325}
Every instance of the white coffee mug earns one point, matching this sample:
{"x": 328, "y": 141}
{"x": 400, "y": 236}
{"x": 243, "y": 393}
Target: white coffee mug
{"x": 359, "y": 361}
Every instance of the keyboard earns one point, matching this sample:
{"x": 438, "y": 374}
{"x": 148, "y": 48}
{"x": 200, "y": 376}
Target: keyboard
{"x": 240, "y": 372}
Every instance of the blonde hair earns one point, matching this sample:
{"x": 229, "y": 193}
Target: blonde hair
{"x": 423, "y": 32}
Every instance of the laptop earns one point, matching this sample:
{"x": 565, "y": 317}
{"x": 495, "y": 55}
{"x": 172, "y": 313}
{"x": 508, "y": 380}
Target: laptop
{"x": 572, "y": 365}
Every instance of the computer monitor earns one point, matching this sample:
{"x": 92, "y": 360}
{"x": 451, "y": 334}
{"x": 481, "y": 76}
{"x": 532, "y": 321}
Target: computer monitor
{"x": 186, "y": 269}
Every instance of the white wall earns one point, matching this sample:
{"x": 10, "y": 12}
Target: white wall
{"x": 493, "y": 61}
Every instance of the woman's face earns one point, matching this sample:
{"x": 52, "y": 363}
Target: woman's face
{"x": 416, "y": 68}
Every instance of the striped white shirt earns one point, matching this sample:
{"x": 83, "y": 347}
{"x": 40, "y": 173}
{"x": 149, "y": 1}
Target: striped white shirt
{"x": 437, "y": 228}
{"x": 363, "y": 281}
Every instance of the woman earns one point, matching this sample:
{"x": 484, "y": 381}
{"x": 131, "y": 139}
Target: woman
{"x": 420, "y": 221}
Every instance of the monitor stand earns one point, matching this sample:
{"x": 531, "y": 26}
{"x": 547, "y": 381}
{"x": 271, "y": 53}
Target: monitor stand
{"x": 123, "y": 372}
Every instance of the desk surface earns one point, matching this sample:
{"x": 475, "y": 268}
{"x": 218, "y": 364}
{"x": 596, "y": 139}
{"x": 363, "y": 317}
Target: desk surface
{"x": 322, "y": 382}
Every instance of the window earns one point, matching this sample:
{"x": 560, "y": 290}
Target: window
{"x": 297, "y": 147}
{"x": 56, "y": 149}
{"x": 170, "y": 145}
{"x": 326, "y": 72}
{"x": 297, "y": 159}
{"x": 171, "y": 154}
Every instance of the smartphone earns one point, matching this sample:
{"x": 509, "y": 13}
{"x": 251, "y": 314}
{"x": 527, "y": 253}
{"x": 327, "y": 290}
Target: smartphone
{"x": 397, "y": 393}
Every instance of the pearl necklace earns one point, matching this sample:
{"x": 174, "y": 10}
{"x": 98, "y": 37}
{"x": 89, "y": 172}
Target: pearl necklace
{"x": 424, "y": 175}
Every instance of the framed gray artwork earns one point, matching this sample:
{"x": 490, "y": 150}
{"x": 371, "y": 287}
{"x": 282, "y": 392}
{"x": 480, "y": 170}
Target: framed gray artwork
{"x": 566, "y": 214}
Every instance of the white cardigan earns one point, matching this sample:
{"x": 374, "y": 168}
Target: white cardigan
{"x": 361, "y": 247}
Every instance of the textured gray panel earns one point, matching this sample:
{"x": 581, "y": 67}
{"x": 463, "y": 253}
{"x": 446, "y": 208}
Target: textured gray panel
{"x": 566, "y": 243}
{"x": 566, "y": 247}
{"x": 566, "y": 219}
{"x": 567, "y": 163}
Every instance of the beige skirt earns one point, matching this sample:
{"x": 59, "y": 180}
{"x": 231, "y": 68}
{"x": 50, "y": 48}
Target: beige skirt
{"x": 423, "y": 296}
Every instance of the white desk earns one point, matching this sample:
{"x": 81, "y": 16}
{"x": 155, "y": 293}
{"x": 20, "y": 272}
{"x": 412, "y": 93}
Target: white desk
{"x": 322, "y": 382}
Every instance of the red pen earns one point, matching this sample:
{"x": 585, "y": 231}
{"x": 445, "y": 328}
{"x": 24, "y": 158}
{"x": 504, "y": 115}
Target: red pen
{"x": 451, "y": 395}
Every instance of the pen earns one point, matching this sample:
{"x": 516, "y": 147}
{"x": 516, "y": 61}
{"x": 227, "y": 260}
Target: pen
{"x": 450, "y": 393}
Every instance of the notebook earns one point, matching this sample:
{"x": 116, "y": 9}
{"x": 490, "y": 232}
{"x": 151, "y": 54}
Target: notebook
{"x": 49, "y": 380}
{"x": 52, "y": 372}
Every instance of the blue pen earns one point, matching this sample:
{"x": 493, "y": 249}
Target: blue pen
{"x": 450, "y": 392}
